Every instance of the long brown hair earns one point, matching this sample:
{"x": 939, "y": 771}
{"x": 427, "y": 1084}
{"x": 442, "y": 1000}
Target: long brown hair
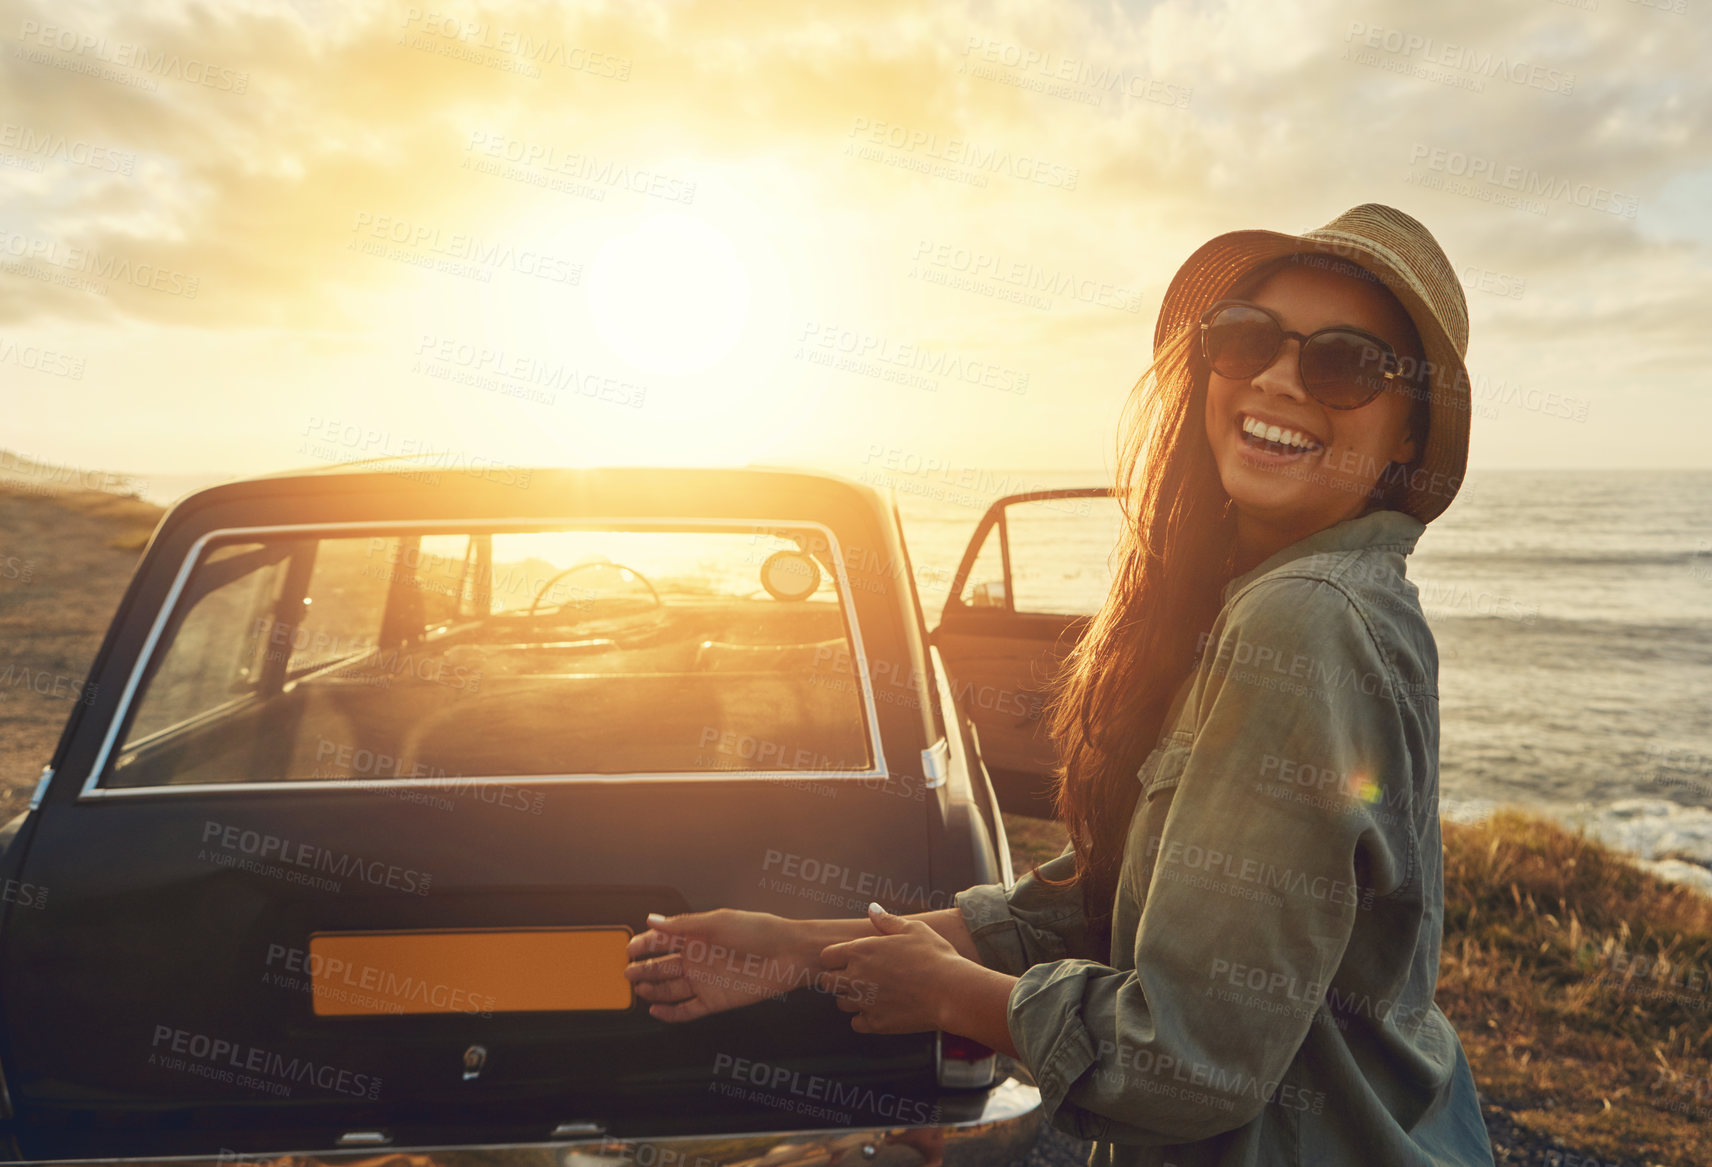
{"x": 1174, "y": 556}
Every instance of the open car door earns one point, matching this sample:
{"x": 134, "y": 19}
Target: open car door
{"x": 1037, "y": 569}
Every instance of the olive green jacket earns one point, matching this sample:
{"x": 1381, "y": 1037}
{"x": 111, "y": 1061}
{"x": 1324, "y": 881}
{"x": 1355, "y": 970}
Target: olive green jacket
{"x": 1268, "y": 998}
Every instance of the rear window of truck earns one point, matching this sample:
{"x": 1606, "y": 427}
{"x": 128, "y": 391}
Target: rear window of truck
{"x": 421, "y": 654}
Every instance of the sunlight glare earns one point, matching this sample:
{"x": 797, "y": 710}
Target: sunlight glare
{"x": 671, "y": 295}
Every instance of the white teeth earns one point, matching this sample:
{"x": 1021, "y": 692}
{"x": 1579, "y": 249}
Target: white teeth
{"x": 1278, "y": 434}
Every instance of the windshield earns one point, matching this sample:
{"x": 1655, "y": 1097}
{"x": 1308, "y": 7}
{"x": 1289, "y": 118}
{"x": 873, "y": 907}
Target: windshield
{"x": 457, "y": 653}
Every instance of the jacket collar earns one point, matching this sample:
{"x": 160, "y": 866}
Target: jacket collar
{"x": 1379, "y": 530}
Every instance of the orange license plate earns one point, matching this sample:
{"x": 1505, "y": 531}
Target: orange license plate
{"x": 473, "y": 971}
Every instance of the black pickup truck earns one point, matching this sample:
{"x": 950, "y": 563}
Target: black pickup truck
{"x": 382, "y": 767}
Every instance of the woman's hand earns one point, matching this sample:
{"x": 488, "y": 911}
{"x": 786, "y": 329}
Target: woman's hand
{"x": 901, "y": 979}
{"x": 707, "y": 962}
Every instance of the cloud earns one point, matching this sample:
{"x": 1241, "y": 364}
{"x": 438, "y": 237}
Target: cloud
{"x": 268, "y": 141}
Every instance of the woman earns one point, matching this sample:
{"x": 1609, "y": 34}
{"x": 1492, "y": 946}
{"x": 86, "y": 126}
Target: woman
{"x": 1234, "y": 960}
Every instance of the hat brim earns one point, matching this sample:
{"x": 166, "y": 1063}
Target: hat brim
{"x": 1217, "y": 265}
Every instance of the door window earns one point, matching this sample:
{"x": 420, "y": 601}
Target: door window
{"x": 1061, "y": 553}
{"x": 985, "y": 587}
{"x": 220, "y": 639}
{"x": 1050, "y": 556}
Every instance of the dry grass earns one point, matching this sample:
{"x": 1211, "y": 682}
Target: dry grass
{"x": 135, "y": 520}
{"x": 1580, "y": 985}
{"x": 138, "y": 519}
{"x": 1033, "y": 841}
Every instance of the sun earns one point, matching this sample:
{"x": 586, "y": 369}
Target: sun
{"x": 670, "y": 296}
{"x": 671, "y": 345}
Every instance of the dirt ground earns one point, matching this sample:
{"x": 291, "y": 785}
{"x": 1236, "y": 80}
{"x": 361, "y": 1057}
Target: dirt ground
{"x": 65, "y": 560}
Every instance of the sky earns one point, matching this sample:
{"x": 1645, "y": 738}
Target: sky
{"x": 251, "y": 236}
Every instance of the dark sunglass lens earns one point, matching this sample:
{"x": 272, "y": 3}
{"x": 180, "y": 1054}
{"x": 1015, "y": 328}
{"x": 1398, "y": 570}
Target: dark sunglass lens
{"x": 1241, "y": 341}
{"x": 1343, "y": 369}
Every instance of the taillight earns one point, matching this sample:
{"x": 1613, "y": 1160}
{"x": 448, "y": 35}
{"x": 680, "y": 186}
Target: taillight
{"x": 964, "y": 1063}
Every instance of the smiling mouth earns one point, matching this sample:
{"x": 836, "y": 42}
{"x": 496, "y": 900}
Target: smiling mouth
{"x": 1278, "y": 441}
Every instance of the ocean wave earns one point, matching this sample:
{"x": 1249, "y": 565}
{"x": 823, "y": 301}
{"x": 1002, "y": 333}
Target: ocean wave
{"x": 1615, "y": 659}
{"x": 1666, "y": 838}
{"x": 1505, "y": 561}
{"x": 1593, "y": 629}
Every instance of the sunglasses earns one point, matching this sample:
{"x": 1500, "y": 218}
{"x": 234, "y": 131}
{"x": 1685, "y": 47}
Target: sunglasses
{"x": 1341, "y": 367}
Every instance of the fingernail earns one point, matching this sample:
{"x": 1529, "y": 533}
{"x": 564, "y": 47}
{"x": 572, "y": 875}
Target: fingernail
{"x": 874, "y": 906}
{"x": 656, "y": 918}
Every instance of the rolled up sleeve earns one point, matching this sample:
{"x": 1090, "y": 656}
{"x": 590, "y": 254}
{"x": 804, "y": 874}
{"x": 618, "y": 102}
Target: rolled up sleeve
{"x": 1028, "y": 924}
{"x": 1249, "y": 874}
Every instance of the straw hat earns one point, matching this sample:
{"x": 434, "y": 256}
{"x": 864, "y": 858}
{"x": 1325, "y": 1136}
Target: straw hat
{"x": 1407, "y": 260}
